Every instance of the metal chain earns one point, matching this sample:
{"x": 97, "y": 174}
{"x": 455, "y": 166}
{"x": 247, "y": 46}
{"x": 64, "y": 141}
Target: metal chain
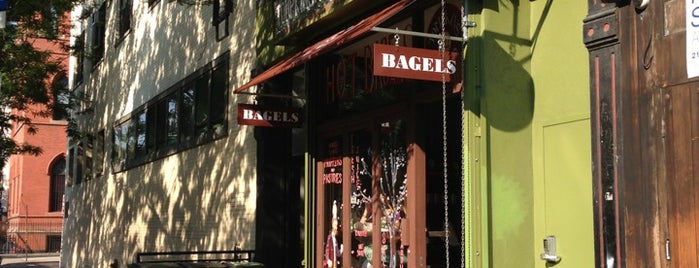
{"x": 397, "y": 38}
{"x": 444, "y": 139}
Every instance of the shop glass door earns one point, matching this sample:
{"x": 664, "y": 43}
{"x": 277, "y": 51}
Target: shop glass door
{"x": 363, "y": 195}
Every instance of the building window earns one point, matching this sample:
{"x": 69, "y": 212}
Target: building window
{"x": 79, "y": 53}
{"x": 51, "y": 19}
{"x": 97, "y": 49}
{"x": 152, "y": 3}
{"x": 139, "y": 128}
{"x": 166, "y": 122}
{"x": 57, "y": 184}
{"x": 71, "y": 165}
{"x": 186, "y": 115}
{"x": 53, "y": 243}
{"x": 61, "y": 99}
{"x": 222, "y": 10}
{"x": 79, "y": 163}
{"x": 87, "y": 146}
{"x": 99, "y": 153}
{"x": 120, "y": 134}
{"x": 125, "y": 11}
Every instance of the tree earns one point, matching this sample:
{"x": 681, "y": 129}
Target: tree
{"x": 25, "y": 72}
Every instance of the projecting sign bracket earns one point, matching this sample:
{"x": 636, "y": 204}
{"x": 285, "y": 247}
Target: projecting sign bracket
{"x": 428, "y": 35}
{"x": 273, "y": 95}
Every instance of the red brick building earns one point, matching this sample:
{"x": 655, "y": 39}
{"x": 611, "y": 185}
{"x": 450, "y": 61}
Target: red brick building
{"x": 36, "y": 183}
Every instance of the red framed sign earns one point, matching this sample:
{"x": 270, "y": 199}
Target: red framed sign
{"x": 267, "y": 116}
{"x": 414, "y": 63}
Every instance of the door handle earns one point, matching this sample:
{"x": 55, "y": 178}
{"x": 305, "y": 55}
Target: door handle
{"x": 549, "y": 254}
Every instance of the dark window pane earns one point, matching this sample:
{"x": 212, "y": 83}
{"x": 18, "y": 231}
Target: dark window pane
{"x": 172, "y": 120}
{"x": 140, "y": 134}
{"x": 219, "y": 79}
{"x": 87, "y": 147}
{"x": 98, "y": 36}
{"x": 61, "y": 97}
{"x": 187, "y": 112}
{"x": 57, "y": 185}
{"x": 79, "y": 52}
{"x": 131, "y": 139}
{"x": 202, "y": 104}
{"x": 99, "y": 152}
{"x": 119, "y": 146}
{"x": 125, "y": 16}
{"x": 151, "y": 130}
{"x": 79, "y": 162}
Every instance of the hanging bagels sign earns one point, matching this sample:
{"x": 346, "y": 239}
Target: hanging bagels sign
{"x": 414, "y": 63}
{"x": 267, "y": 116}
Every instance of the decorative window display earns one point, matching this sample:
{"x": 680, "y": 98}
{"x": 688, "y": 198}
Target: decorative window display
{"x": 332, "y": 185}
{"x": 393, "y": 192}
{"x": 361, "y": 196}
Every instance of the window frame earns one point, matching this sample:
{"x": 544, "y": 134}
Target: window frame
{"x": 79, "y": 53}
{"x": 221, "y": 16}
{"x": 55, "y": 182}
{"x": 125, "y": 19}
{"x": 98, "y": 25}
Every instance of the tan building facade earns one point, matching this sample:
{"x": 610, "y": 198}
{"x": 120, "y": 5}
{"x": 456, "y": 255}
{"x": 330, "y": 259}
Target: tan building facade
{"x": 161, "y": 65}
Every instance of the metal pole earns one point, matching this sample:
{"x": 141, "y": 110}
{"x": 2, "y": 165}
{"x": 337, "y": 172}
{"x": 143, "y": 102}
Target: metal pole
{"x": 397, "y": 31}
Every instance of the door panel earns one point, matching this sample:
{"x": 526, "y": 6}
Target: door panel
{"x": 563, "y": 200}
{"x": 683, "y": 177}
{"x": 363, "y": 196}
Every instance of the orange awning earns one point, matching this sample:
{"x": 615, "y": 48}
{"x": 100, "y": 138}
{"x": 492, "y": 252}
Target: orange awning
{"x": 329, "y": 43}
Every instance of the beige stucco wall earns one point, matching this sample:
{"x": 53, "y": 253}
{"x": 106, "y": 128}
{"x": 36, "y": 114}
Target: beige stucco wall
{"x": 199, "y": 199}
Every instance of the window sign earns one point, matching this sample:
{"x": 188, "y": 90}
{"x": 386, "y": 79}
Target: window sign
{"x": 332, "y": 203}
{"x": 692, "y": 38}
{"x": 332, "y": 172}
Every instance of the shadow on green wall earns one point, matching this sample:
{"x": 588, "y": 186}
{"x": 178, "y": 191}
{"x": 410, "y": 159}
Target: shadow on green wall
{"x": 507, "y": 89}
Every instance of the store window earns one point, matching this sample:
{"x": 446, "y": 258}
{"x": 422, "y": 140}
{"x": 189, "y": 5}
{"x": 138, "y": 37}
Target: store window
{"x": 364, "y": 184}
{"x": 393, "y": 192}
{"x": 332, "y": 175}
{"x": 361, "y": 170}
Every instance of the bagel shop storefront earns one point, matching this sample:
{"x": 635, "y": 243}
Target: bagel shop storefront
{"x": 380, "y": 129}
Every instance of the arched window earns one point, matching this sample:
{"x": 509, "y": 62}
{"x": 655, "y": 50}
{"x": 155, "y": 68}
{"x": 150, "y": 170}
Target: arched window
{"x": 57, "y": 187}
{"x": 61, "y": 97}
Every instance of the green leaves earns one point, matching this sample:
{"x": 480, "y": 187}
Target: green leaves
{"x": 27, "y": 72}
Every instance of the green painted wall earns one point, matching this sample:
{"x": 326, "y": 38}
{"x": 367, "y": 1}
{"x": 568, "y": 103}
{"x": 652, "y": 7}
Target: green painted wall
{"x": 561, "y": 127}
{"x": 507, "y": 108}
{"x": 534, "y": 112}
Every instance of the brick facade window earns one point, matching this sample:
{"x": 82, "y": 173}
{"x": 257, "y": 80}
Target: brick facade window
{"x": 57, "y": 184}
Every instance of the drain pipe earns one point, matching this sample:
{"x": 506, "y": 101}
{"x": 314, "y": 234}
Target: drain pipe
{"x": 467, "y": 192}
